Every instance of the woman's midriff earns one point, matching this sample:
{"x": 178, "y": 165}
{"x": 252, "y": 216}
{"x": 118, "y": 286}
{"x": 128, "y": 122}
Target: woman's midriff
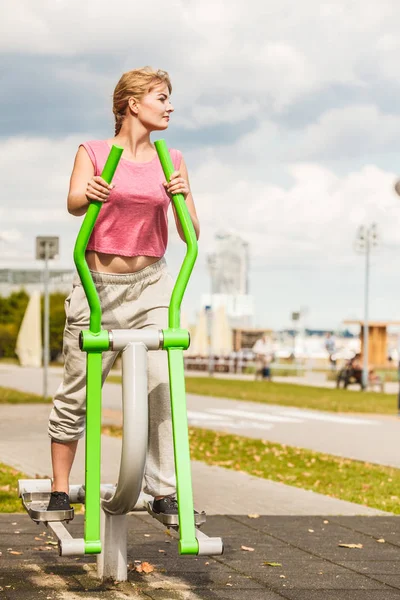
{"x": 112, "y": 263}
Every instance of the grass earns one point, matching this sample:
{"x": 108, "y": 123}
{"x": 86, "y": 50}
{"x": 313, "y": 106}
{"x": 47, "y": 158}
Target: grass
{"x": 355, "y": 481}
{"x": 9, "y": 501}
{"x": 290, "y": 394}
{"x": 11, "y": 396}
{"x": 301, "y": 396}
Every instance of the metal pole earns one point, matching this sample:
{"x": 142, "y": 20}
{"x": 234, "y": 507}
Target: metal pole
{"x": 398, "y": 393}
{"x": 366, "y": 327}
{"x": 209, "y": 315}
{"x": 46, "y": 319}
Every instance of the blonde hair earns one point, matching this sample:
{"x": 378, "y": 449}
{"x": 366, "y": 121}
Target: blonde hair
{"x": 136, "y": 83}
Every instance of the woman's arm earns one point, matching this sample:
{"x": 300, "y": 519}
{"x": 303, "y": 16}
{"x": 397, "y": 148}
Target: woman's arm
{"x": 84, "y": 185}
{"x": 179, "y": 184}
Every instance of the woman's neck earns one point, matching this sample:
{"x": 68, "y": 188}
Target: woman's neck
{"x": 135, "y": 143}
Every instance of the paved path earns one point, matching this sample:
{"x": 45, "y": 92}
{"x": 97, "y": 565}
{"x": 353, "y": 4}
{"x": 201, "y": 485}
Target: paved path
{"x": 310, "y": 564}
{"x": 368, "y": 438}
{"x": 25, "y": 446}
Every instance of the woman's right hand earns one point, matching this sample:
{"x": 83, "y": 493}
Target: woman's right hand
{"x": 98, "y": 189}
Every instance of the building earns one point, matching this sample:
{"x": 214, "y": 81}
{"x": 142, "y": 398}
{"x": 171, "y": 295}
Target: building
{"x": 13, "y": 280}
{"x": 229, "y": 272}
{"x": 229, "y": 265}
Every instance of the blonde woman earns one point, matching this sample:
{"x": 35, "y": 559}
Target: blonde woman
{"x": 126, "y": 257}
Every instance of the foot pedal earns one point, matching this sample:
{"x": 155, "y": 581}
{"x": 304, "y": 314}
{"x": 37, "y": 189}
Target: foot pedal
{"x": 36, "y": 504}
{"x": 173, "y": 520}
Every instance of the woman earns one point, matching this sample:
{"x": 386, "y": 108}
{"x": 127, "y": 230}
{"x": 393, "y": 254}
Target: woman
{"x": 125, "y": 255}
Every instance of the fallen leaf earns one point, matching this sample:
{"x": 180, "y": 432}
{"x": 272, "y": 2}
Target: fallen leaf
{"x": 162, "y": 551}
{"x": 350, "y": 545}
{"x": 272, "y": 564}
{"x": 144, "y": 567}
{"x": 15, "y": 552}
{"x": 52, "y": 543}
{"x": 282, "y": 576}
{"x": 38, "y": 539}
{"x": 230, "y": 584}
{"x": 247, "y": 548}
{"x": 381, "y": 541}
{"x": 254, "y": 516}
{"x": 146, "y": 535}
{"x": 311, "y": 530}
{"x": 326, "y": 522}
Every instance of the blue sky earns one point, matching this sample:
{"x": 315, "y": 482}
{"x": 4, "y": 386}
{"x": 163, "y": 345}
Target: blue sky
{"x": 287, "y": 114}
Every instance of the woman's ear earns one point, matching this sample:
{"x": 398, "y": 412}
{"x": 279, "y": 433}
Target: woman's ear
{"x": 133, "y": 105}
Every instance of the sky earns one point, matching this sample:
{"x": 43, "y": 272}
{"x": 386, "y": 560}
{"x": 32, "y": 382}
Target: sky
{"x": 287, "y": 114}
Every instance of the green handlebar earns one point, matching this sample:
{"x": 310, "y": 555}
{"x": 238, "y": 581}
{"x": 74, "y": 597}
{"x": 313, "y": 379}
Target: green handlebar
{"x": 83, "y": 239}
{"x": 190, "y": 236}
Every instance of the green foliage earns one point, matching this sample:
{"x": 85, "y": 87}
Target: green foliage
{"x": 9, "y": 501}
{"x": 13, "y": 307}
{"x": 287, "y": 394}
{"x": 12, "y": 310}
{"x": 11, "y": 396}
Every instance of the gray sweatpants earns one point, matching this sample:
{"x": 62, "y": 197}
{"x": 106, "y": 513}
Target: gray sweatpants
{"x": 129, "y": 301}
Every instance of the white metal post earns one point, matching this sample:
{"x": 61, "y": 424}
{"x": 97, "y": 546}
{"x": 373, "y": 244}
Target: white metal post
{"x": 46, "y": 320}
{"x": 366, "y": 301}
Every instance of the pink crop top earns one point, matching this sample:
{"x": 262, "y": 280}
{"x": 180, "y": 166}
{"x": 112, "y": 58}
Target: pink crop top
{"x": 133, "y": 222}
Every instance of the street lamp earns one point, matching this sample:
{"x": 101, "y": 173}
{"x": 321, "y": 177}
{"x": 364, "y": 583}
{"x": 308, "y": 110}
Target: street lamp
{"x": 367, "y": 238}
{"x": 397, "y": 190}
{"x": 46, "y": 249}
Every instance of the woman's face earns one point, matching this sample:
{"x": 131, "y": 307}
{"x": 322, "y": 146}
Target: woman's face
{"x": 155, "y": 108}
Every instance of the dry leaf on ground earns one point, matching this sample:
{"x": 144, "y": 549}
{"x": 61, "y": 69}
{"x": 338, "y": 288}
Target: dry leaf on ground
{"x": 15, "y": 552}
{"x": 350, "y": 545}
{"x": 254, "y": 516}
{"x": 144, "y": 567}
{"x": 381, "y": 541}
{"x": 247, "y": 548}
{"x": 272, "y": 564}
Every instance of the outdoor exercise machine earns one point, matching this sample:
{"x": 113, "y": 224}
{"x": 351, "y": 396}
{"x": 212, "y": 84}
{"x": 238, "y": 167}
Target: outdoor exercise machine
{"x": 106, "y": 505}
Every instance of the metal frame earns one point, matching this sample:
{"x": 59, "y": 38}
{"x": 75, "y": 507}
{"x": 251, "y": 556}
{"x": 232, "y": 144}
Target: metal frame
{"x": 117, "y": 501}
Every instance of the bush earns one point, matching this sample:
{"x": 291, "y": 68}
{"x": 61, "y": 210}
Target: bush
{"x": 12, "y": 310}
{"x": 8, "y": 339}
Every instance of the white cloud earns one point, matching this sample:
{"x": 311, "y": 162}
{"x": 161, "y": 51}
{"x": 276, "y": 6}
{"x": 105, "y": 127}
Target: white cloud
{"x": 348, "y": 131}
{"x": 278, "y": 185}
{"x": 277, "y": 51}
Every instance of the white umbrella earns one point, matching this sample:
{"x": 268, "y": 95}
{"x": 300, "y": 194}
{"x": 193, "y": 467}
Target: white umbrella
{"x": 29, "y": 340}
{"x": 221, "y": 333}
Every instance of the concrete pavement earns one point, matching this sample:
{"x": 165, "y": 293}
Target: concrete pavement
{"x": 269, "y": 558}
{"x": 370, "y": 438}
{"x": 285, "y": 553}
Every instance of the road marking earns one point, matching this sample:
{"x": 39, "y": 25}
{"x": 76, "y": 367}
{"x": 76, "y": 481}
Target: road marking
{"x": 329, "y": 418}
{"x": 243, "y": 414}
{"x": 206, "y": 419}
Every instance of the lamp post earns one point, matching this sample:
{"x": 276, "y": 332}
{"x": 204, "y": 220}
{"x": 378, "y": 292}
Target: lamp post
{"x": 209, "y": 317}
{"x": 46, "y": 249}
{"x": 397, "y": 190}
{"x": 366, "y": 239}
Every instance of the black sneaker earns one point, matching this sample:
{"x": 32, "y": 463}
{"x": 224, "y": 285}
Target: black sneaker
{"x": 59, "y": 501}
{"x": 166, "y": 506}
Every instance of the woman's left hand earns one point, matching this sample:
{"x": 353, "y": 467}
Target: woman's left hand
{"x": 177, "y": 185}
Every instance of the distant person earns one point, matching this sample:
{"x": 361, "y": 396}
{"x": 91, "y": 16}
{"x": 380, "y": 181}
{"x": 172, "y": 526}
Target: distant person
{"x": 330, "y": 347}
{"x": 263, "y": 357}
